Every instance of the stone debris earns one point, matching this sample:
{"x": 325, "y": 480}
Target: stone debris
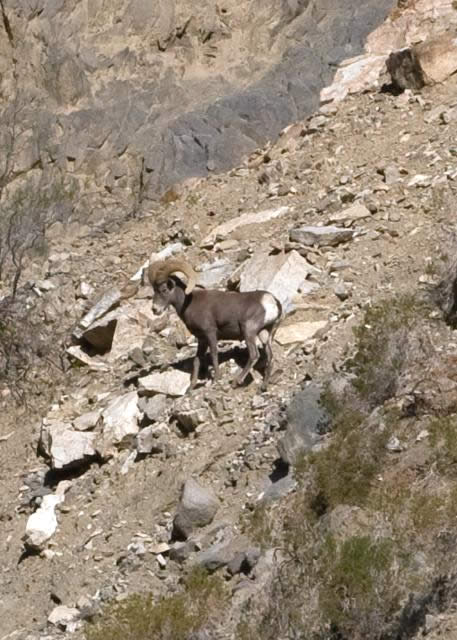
{"x": 171, "y": 383}
{"x": 329, "y": 236}
{"x": 197, "y": 508}
{"x": 211, "y": 275}
{"x": 152, "y": 439}
{"x": 225, "y": 229}
{"x": 282, "y": 275}
{"x": 154, "y": 407}
{"x": 84, "y": 290}
{"x": 350, "y": 215}
{"x": 87, "y": 421}
{"x": 299, "y": 331}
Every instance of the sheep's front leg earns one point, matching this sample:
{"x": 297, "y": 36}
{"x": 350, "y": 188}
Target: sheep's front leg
{"x": 201, "y": 350}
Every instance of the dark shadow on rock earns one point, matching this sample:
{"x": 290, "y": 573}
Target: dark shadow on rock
{"x": 54, "y": 476}
{"x": 280, "y": 470}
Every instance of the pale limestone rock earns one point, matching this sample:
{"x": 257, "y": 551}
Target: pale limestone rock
{"x": 85, "y": 290}
{"x": 299, "y": 331}
{"x": 42, "y": 524}
{"x": 120, "y": 423}
{"x": 223, "y": 230}
{"x": 354, "y": 76}
{"x": 100, "y": 332}
{"x": 282, "y": 275}
{"x": 63, "y": 617}
{"x": 171, "y": 383}
{"x": 64, "y": 446}
{"x": 132, "y": 327}
{"x": 87, "y": 421}
{"x": 81, "y": 356}
{"x": 71, "y": 448}
{"x": 109, "y": 299}
{"x": 212, "y": 274}
{"x": 197, "y": 508}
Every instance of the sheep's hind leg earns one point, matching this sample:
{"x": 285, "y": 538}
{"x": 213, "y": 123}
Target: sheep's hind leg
{"x": 253, "y": 357}
{"x": 212, "y": 340}
{"x": 269, "y": 360}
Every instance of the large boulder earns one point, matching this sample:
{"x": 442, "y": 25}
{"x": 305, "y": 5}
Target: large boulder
{"x": 197, "y": 508}
{"x": 426, "y": 63}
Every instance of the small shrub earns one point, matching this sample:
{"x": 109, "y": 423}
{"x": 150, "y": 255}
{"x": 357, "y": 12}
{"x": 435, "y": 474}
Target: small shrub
{"x": 443, "y": 437}
{"x": 382, "y": 345}
{"x": 139, "y": 617}
{"x": 258, "y": 526}
{"x": 345, "y": 469}
{"x": 357, "y": 591}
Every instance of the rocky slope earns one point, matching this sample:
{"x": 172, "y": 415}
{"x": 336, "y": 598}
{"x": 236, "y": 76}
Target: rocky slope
{"x": 382, "y": 169}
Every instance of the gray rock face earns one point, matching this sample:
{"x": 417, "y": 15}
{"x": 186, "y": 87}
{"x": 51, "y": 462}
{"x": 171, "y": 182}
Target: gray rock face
{"x": 307, "y": 420}
{"x": 170, "y": 111}
{"x": 197, "y": 508}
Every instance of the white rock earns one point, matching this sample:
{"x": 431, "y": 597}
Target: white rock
{"x": 420, "y": 180}
{"x": 80, "y": 356}
{"x": 354, "y": 76}
{"x": 132, "y": 327}
{"x": 120, "y": 422}
{"x": 246, "y": 218}
{"x": 42, "y": 524}
{"x": 85, "y": 290}
{"x": 108, "y": 300}
{"x": 299, "y": 331}
{"x": 171, "y": 383}
{"x": 65, "y": 446}
{"x": 282, "y": 275}
{"x": 62, "y": 616}
{"x": 87, "y": 421}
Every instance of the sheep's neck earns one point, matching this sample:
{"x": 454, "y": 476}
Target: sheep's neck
{"x": 179, "y": 302}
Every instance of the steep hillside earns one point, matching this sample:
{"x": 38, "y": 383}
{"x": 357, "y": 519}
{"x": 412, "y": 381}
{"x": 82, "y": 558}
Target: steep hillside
{"x": 326, "y": 505}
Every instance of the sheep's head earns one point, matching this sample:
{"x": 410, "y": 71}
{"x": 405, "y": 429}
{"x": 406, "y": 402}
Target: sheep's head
{"x": 164, "y": 285}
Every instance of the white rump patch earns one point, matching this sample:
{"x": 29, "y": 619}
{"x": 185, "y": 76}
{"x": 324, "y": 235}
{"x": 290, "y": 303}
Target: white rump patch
{"x": 271, "y": 308}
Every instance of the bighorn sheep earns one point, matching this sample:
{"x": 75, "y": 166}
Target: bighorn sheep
{"x": 212, "y": 315}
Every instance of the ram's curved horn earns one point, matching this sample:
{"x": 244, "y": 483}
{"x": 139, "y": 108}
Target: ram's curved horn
{"x": 159, "y": 271}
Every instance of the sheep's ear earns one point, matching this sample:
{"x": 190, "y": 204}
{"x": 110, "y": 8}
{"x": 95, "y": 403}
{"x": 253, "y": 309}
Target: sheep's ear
{"x": 170, "y": 284}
